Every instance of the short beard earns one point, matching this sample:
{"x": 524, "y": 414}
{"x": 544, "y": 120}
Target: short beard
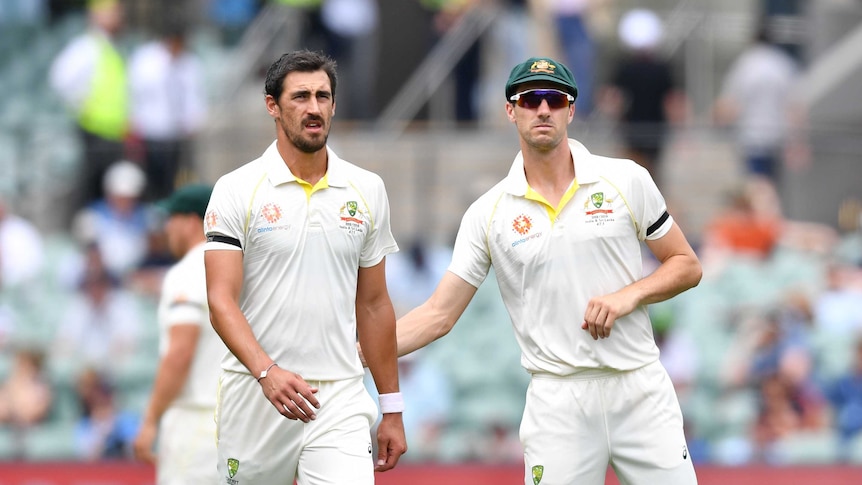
{"x": 307, "y": 146}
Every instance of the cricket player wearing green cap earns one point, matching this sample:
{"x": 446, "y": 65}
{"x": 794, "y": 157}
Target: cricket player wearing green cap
{"x": 563, "y": 232}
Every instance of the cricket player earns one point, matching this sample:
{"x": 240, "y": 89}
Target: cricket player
{"x": 563, "y": 232}
{"x": 295, "y": 254}
{"x": 181, "y": 407}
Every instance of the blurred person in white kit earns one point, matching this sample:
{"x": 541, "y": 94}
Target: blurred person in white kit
{"x": 168, "y": 106}
{"x": 180, "y": 410}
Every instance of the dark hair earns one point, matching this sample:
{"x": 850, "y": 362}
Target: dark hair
{"x": 298, "y": 61}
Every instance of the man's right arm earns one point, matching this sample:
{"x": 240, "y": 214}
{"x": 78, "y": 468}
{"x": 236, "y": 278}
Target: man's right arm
{"x": 224, "y": 283}
{"x": 287, "y": 391}
{"x": 436, "y": 317}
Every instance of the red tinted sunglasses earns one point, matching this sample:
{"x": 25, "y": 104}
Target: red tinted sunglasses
{"x": 532, "y": 99}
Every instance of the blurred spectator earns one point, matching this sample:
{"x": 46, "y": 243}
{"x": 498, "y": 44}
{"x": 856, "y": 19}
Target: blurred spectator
{"x": 89, "y": 75}
{"x": 104, "y": 431}
{"x": 845, "y": 394}
{"x": 21, "y": 249}
{"x": 781, "y": 347}
{"x": 507, "y": 50}
{"x": 232, "y": 17}
{"x": 168, "y": 106}
{"x": 351, "y": 27}
{"x": 786, "y": 408}
{"x": 838, "y": 309}
{"x": 776, "y": 359}
{"x": 501, "y": 445}
{"x": 26, "y": 395}
{"x": 100, "y": 328}
{"x": 308, "y": 21}
{"x": 118, "y": 223}
{"x": 578, "y": 48}
{"x": 445, "y": 15}
{"x": 741, "y": 228}
{"x": 756, "y": 97}
{"x": 642, "y": 92}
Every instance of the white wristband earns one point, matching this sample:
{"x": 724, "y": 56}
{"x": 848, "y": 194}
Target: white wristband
{"x": 391, "y": 403}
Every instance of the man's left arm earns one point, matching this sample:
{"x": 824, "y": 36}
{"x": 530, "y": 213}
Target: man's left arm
{"x": 375, "y": 324}
{"x": 679, "y": 270}
{"x": 171, "y": 376}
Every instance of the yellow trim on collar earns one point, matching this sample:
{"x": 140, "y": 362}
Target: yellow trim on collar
{"x": 553, "y": 212}
{"x": 321, "y": 184}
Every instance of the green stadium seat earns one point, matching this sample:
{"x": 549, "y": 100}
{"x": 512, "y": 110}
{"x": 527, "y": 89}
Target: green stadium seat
{"x": 50, "y": 442}
{"x": 9, "y": 446}
{"x": 808, "y": 448}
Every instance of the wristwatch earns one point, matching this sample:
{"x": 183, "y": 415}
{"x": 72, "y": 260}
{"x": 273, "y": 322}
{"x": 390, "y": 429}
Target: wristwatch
{"x": 265, "y": 371}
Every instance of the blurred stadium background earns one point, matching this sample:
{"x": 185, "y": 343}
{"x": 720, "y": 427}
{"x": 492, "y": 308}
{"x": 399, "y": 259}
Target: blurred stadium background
{"x": 792, "y": 310}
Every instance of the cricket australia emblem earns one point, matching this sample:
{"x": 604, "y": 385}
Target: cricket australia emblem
{"x": 538, "y": 471}
{"x": 599, "y": 209}
{"x": 352, "y": 218}
{"x": 232, "y": 469}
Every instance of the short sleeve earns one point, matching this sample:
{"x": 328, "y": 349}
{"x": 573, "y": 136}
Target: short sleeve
{"x": 379, "y": 242}
{"x": 653, "y": 219}
{"x": 471, "y": 260}
{"x": 184, "y": 294}
{"x": 224, "y": 221}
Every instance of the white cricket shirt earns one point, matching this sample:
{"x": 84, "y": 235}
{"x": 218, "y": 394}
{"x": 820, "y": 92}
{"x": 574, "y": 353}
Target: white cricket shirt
{"x": 549, "y": 263}
{"x": 184, "y": 302}
{"x": 302, "y": 249}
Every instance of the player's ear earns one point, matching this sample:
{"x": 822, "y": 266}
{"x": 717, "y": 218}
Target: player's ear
{"x": 272, "y": 106}
{"x": 510, "y": 111}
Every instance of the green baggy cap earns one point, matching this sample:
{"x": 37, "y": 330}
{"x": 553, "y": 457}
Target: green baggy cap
{"x": 541, "y": 69}
{"x": 188, "y": 199}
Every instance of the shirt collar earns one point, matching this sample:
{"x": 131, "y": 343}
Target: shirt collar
{"x": 586, "y": 170}
{"x": 278, "y": 173}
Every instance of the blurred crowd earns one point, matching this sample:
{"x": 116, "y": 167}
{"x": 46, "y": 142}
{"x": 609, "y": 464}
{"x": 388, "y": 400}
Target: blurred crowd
{"x": 766, "y": 353}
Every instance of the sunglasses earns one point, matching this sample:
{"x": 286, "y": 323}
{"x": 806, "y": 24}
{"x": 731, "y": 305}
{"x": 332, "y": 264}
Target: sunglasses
{"x": 532, "y": 99}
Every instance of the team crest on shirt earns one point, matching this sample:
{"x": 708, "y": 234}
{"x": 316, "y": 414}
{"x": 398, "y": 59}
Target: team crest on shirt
{"x": 352, "y": 218}
{"x": 538, "y": 471}
{"x": 232, "y": 469}
{"x": 598, "y": 209}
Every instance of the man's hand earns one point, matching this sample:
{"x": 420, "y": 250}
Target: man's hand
{"x": 292, "y": 397}
{"x": 391, "y": 443}
{"x": 603, "y": 311}
{"x": 143, "y": 445}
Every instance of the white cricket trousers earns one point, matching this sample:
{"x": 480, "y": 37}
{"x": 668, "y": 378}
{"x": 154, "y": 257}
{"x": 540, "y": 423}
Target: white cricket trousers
{"x": 187, "y": 447}
{"x": 259, "y": 446}
{"x": 575, "y": 426}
